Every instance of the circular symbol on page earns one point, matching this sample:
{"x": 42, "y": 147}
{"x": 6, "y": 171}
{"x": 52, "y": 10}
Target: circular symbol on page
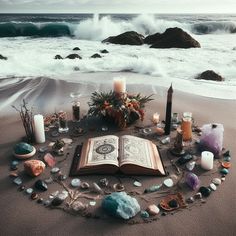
{"x": 132, "y": 149}
{"x": 105, "y": 149}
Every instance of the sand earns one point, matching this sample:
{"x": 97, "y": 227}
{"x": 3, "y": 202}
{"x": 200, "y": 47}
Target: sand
{"x": 21, "y": 216}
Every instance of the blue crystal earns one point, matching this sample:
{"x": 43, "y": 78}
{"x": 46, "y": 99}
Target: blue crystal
{"x": 23, "y": 148}
{"x": 144, "y": 214}
{"x": 121, "y": 205}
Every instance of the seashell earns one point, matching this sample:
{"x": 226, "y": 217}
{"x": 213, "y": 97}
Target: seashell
{"x": 34, "y": 167}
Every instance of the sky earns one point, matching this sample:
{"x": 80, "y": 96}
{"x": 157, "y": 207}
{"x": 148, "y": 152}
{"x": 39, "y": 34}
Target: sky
{"x": 118, "y": 6}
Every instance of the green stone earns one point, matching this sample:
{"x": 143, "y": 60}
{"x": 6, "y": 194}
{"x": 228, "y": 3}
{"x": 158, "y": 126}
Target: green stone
{"x": 23, "y": 148}
{"x": 224, "y": 171}
{"x": 144, "y": 214}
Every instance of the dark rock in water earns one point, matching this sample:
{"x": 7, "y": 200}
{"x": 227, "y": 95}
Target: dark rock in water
{"x": 173, "y": 38}
{"x": 2, "y": 57}
{"x": 104, "y": 51}
{"x": 76, "y": 68}
{"x": 205, "y": 191}
{"x": 151, "y": 39}
{"x": 58, "y": 57}
{"x": 76, "y": 49}
{"x": 41, "y": 185}
{"x": 127, "y": 38}
{"x": 210, "y": 75}
{"x": 96, "y": 55}
{"x": 74, "y": 56}
{"x": 173, "y": 203}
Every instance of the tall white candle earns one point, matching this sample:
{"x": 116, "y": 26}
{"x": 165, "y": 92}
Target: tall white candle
{"x": 39, "y": 129}
{"x": 119, "y": 85}
{"x": 207, "y": 159}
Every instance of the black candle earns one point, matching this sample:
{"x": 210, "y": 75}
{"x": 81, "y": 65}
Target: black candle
{"x": 168, "y": 111}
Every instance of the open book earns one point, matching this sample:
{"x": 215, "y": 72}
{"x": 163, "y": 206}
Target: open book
{"x": 110, "y": 154}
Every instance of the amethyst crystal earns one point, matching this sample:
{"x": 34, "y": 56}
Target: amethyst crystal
{"x": 212, "y": 138}
{"x": 192, "y": 180}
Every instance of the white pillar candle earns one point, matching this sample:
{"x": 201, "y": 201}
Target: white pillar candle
{"x": 119, "y": 85}
{"x": 155, "y": 118}
{"x": 39, "y": 132}
{"x": 207, "y": 159}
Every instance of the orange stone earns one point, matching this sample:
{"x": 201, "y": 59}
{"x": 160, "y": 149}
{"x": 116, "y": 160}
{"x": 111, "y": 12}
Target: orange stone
{"x": 34, "y": 167}
{"x": 226, "y": 164}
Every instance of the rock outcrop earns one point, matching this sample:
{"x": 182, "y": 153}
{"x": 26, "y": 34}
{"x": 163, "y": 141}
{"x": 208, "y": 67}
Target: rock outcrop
{"x": 96, "y": 55}
{"x": 2, "y": 57}
{"x": 127, "y": 38}
{"x": 210, "y": 75}
{"x": 172, "y": 38}
{"x": 74, "y": 56}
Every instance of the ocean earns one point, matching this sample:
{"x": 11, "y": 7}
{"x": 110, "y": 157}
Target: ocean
{"x": 31, "y": 41}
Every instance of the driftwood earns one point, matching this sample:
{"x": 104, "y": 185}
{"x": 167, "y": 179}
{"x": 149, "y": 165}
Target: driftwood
{"x": 26, "y": 116}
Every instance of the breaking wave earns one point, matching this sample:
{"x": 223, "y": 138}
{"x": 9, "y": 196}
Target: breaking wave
{"x": 98, "y": 28}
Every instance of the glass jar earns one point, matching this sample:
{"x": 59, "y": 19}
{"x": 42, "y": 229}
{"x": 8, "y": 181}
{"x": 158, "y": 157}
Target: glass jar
{"x": 186, "y": 126}
{"x": 76, "y": 110}
{"x": 63, "y": 123}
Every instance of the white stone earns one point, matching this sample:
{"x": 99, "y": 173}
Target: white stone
{"x": 168, "y": 183}
{"x": 17, "y": 181}
{"x": 213, "y": 187}
{"x": 75, "y": 182}
{"x": 190, "y": 165}
{"x": 29, "y": 190}
{"x": 54, "y": 170}
{"x": 216, "y": 181}
{"x": 137, "y": 184}
{"x": 92, "y": 203}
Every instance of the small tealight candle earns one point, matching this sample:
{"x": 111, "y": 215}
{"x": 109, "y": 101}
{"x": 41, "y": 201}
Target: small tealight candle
{"x": 156, "y": 118}
{"x": 207, "y": 160}
{"x": 119, "y": 85}
{"x": 39, "y": 129}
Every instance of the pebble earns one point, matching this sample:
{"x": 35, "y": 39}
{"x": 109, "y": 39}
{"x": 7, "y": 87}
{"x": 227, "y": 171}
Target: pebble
{"x": 190, "y": 200}
{"x": 63, "y": 195}
{"x": 43, "y": 149}
{"x": 198, "y": 195}
{"x": 190, "y": 165}
{"x": 62, "y": 177}
{"x": 49, "y": 159}
{"x": 57, "y": 201}
{"x": 137, "y": 184}
{"x": 13, "y": 174}
{"x": 29, "y": 190}
{"x": 224, "y": 171}
{"x": 40, "y": 200}
{"x": 67, "y": 140}
{"x": 41, "y": 185}
{"x": 75, "y": 182}
{"x": 13, "y": 167}
{"x": 168, "y": 183}
{"x": 205, "y": 191}
{"x": 84, "y": 185}
{"x": 165, "y": 140}
{"x": 216, "y": 181}
{"x": 223, "y": 179}
{"x": 96, "y": 188}
{"x": 153, "y": 210}
{"x": 173, "y": 203}
{"x": 55, "y": 170}
{"x": 48, "y": 180}
{"x": 21, "y": 188}
{"x": 54, "y": 194}
{"x": 34, "y": 196}
{"x": 144, "y": 214}
{"x": 213, "y": 187}
{"x": 92, "y": 203}
{"x": 227, "y": 158}
{"x": 15, "y": 162}
{"x": 104, "y": 182}
{"x": 118, "y": 187}
{"x": 17, "y": 181}
{"x": 46, "y": 203}
{"x": 226, "y": 164}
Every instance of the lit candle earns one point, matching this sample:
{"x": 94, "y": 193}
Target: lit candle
{"x": 39, "y": 129}
{"x": 119, "y": 85}
{"x": 155, "y": 118}
{"x": 207, "y": 160}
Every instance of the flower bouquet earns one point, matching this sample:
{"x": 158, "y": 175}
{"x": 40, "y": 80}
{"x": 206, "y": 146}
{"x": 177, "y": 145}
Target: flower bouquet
{"x": 121, "y": 108}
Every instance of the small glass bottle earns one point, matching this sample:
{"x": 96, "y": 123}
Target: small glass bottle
{"x": 63, "y": 123}
{"x": 75, "y": 106}
{"x": 186, "y": 126}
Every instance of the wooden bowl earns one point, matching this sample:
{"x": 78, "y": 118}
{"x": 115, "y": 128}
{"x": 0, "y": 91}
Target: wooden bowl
{"x": 25, "y": 156}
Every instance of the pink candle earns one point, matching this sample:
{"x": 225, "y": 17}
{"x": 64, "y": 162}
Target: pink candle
{"x": 119, "y": 85}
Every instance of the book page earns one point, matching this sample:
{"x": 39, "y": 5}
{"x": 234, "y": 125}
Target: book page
{"x": 136, "y": 151}
{"x": 103, "y": 150}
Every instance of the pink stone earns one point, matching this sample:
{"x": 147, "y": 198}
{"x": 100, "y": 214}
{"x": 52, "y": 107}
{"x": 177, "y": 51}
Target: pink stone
{"x": 50, "y": 160}
{"x": 34, "y": 167}
{"x": 153, "y": 210}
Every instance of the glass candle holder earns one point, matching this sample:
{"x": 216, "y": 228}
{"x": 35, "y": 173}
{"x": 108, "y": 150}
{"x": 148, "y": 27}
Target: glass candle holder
{"x": 76, "y": 110}
{"x": 63, "y": 123}
{"x": 186, "y": 126}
